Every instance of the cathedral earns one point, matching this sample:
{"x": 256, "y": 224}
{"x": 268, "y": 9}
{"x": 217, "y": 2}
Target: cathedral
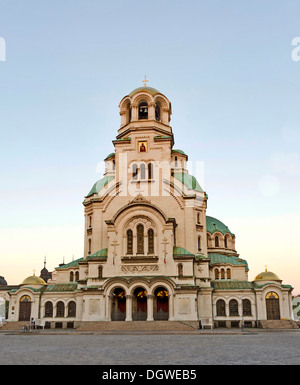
{"x": 150, "y": 251}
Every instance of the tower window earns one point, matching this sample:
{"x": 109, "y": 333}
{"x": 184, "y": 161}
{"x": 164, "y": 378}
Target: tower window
{"x": 157, "y": 112}
{"x": 199, "y": 243}
{"x": 180, "y": 270}
{"x": 143, "y": 110}
{"x": 150, "y": 171}
{"x": 134, "y": 171}
{"x": 129, "y": 242}
{"x": 140, "y": 239}
{"x": 150, "y": 241}
{"x": 143, "y": 171}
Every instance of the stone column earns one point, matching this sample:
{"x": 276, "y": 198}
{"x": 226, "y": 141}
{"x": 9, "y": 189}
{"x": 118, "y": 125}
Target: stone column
{"x": 128, "y": 307}
{"x": 150, "y": 307}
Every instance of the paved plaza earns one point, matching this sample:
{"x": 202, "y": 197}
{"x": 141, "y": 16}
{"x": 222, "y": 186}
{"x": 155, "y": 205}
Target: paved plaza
{"x": 249, "y": 348}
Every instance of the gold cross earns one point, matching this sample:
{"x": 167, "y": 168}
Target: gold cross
{"x": 145, "y": 81}
{"x": 266, "y": 267}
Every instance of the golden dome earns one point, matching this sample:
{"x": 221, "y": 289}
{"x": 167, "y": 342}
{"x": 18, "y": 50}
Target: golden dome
{"x": 267, "y": 276}
{"x": 33, "y": 280}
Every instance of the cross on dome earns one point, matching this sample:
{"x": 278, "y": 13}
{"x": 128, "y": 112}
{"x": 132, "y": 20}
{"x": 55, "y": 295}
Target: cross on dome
{"x": 145, "y": 81}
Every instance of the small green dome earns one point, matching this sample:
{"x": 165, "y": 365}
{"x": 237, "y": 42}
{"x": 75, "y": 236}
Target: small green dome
{"x": 152, "y": 91}
{"x": 213, "y": 225}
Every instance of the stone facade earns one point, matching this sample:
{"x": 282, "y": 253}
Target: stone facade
{"x": 150, "y": 251}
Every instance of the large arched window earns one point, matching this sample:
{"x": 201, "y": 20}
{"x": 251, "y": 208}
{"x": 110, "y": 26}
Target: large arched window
{"x": 221, "y": 310}
{"x": 71, "y": 276}
{"x": 77, "y": 276}
{"x": 143, "y": 110}
{"x": 129, "y": 242}
{"x": 140, "y": 239}
{"x": 72, "y": 309}
{"x": 60, "y": 309}
{"x": 246, "y": 307}
{"x": 48, "y": 309}
{"x": 150, "y": 241}
{"x": 233, "y": 307}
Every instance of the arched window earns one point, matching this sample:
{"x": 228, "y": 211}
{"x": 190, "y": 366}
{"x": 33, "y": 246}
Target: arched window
{"x": 221, "y": 309}
{"x": 71, "y": 276}
{"x": 233, "y": 307}
{"x": 157, "y": 112}
{"x": 180, "y": 270}
{"x": 198, "y": 218}
{"x": 150, "y": 171}
{"x": 199, "y": 243}
{"x": 222, "y": 273}
{"x": 216, "y": 241}
{"x": 90, "y": 245}
{"x": 217, "y": 274}
{"x": 129, "y": 242}
{"x": 176, "y": 163}
{"x": 143, "y": 110}
{"x": 134, "y": 171}
{"x": 150, "y": 241}
{"x": 228, "y": 273}
{"x": 60, "y": 309}
{"x": 72, "y": 309}
{"x": 246, "y": 307}
{"x": 143, "y": 171}
{"x": 225, "y": 242}
{"x": 100, "y": 271}
{"x": 48, "y": 309}
{"x": 140, "y": 239}
{"x": 77, "y": 276}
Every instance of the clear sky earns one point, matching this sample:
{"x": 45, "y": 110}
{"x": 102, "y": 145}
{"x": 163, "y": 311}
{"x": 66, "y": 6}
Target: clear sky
{"x": 228, "y": 70}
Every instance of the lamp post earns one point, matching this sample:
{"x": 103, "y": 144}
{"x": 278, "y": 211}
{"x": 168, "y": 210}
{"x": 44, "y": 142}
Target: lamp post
{"x": 243, "y": 325}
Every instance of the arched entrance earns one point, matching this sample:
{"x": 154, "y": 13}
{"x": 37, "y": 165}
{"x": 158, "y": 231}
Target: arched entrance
{"x": 118, "y": 306}
{"x": 161, "y": 304}
{"x": 25, "y": 308}
{"x": 272, "y": 306}
{"x": 139, "y": 304}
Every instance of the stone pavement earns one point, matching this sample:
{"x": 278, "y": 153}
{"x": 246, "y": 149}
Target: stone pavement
{"x": 203, "y": 347}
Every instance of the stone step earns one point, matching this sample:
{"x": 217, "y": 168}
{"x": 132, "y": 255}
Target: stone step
{"x": 137, "y": 326}
{"x": 279, "y": 324}
{"x": 17, "y": 325}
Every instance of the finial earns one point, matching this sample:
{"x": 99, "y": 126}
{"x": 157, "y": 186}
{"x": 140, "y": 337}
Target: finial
{"x": 34, "y": 272}
{"x": 266, "y": 268}
{"x": 45, "y": 261}
{"x": 145, "y": 81}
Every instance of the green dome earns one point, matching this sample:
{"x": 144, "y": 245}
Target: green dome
{"x": 99, "y": 185}
{"x": 213, "y": 225}
{"x": 152, "y": 90}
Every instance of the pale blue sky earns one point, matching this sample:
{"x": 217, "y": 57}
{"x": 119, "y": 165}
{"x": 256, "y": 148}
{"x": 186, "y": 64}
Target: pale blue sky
{"x": 226, "y": 67}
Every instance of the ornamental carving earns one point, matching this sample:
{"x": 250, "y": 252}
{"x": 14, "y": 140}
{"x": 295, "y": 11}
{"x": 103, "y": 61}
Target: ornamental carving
{"x": 139, "y": 269}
